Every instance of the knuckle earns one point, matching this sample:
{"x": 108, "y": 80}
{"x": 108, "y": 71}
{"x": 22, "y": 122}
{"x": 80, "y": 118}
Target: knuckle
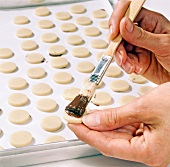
{"x": 141, "y": 35}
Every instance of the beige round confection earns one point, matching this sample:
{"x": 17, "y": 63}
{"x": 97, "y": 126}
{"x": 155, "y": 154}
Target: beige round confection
{"x": 42, "y": 11}
{"x": 6, "y": 53}
{"x": 34, "y": 58}
{"x": 78, "y": 9}
{"x": 51, "y": 123}
{"x": 41, "y": 89}
{"x": 126, "y": 99}
{"x": 85, "y": 67}
{"x": 20, "y": 139}
{"x": 101, "y": 13}
{"x": 68, "y": 27}
{"x": 57, "y": 50}
{"x": 18, "y": 99}
{"x": 74, "y": 40}
{"x": 63, "y": 16}
{"x": 144, "y": 89}
{"x": 36, "y": 73}
{"x": 21, "y": 20}
{"x": 0, "y": 131}
{"x": 19, "y": 117}
{"x": 70, "y": 93}
{"x": 29, "y": 45}
{"x": 59, "y": 62}
{"x": 92, "y": 31}
{"x": 137, "y": 78}
{"x": 45, "y": 24}
{"x": 62, "y": 78}
{"x": 104, "y": 24}
{"x": 49, "y": 37}
{"x": 113, "y": 71}
{"x": 46, "y": 105}
{"x": 8, "y": 67}
{"x": 54, "y": 139}
{"x": 83, "y": 20}
{"x": 80, "y": 52}
{"x": 99, "y": 44}
{"x": 98, "y": 86}
{"x": 24, "y": 33}
{"x": 101, "y": 98}
{"x": 1, "y": 148}
{"x": 119, "y": 86}
{"x": 17, "y": 83}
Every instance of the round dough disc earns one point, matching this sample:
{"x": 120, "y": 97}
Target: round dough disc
{"x": 68, "y": 27}
{"x": 41, "y": 89}
{"x": 57, "y": 50}
{"x": 46, "y": 105}
{"x": 19, "y": 117}
{"x": 54, "y": 139}
{"x": 74, "y": 40}
{"x": 126, "y": 99}
{"x": 113, "y": 71}
{"x": 6, "y": 53}
{"x": 36, "y": 73}
{"x": 101, "y": 13}
{"x": 42, "y": 11}
{"x": 98, "y": 86}
{"x": 85, "y": 67}
{"x": 101, "y": 98}
{"x": 17, "y": 83}
{"x": 84, "y": 21}
{"x": 49, "y": 37}
{"x": 92, "y": 31}
{"x": 70, "y": 93}
{"x": 99, "y": 44}
{"x": 18, "y": 99}
{"x": 8, "y": 67}
{"x": 137, "y": 78}
{"x": 24, "y": 33}
{"x": 144, "y": 89}
{"x": 45, "y": 24}
{"x": 20, "y": 139}
{"x": 21, "y": 20}
{"x": 78, "y": 9}
{"x": 63, "y": 16}
{"x": 62, "y": 78}
{"x": 119, "y": 86}
{"x": 51, "y": 123}
{"x": 59, "y": 62}
{"x": 104, "y": 24}
{"x": 80, "y": 52}
{"x": 29, "y": 45}
{"x": 34, "y": 58}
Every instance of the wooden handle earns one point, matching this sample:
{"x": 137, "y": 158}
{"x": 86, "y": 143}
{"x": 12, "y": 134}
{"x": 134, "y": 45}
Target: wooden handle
{"x": 132, "y": 11}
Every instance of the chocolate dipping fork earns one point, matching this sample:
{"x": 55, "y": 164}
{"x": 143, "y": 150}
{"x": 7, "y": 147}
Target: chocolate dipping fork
{"x": 78, "y": 106}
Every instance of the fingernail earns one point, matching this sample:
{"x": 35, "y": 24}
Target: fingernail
{"x": 127, "y": 67}
{"x": 118, "y": 58}
{"x": 110, "y": 29}
{"x": 91, "y": 120}
{"x": 138, "y": 69}
{"x": 129, "y": 25}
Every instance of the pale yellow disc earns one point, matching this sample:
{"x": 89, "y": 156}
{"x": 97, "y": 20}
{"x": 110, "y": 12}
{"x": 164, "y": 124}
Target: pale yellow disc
{"x": 46, "y": 105}
{"x": 101, "y": 98}
{"x": 70, "y": 93}
{"x": 36, "y": 73}
{"x": 45, "y": 24}
{"x": 0, "y": 131}
{"x": 59, "y": 62}
{"x": 21, "y": 20}
{"x": 6, "y": 53}
{"x": 104, "y": 24}
{"x": 57, "y": 50}
{"x": 80, "y": 52}
{"x": 17, "y": 83}
{"x": 68, "y": 27}
{"x": 101, "y": 13}
{"x": 41, "y": 89}
{"x": 20, "y": 139}
{"x": 83, "y": 20}
{"x": 126, "y": 99}
{"x": 34, "y": 58}
{"x": 49, "y": 37}
{"x": 92, "y": 31}
{"x": 29, "y": 45}
{"x": 1, "y": 148}
{"x": 78, "y": 9}
{"x": 24, "y": 33}
{"x": 18, "y": 99}
{"x": 19, "y": 117}
{"x": 137, "y": 78}
{"x": 8, "y": 67}
{"x": 62, "y": 78}
{"x": 119, "y": 86}
{"x": 42, "y": 11}
{"x": 99, "y": 44}
{"x": 113, "y": 71}
{"x": 63, "y": 16}
{"x": 85, "y": 67}
{"x": 74, "y": 40}
{"x": 98, "y": 86}
{"x": 54, "y": 139}
{"x": 144, "y": 89}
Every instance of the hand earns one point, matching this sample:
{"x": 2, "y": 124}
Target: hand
{"x": 118, "y": 132}
{"x": 146, "y": 46}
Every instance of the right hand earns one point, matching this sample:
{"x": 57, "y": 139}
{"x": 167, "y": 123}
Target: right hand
{"x": 146, "y": 46}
